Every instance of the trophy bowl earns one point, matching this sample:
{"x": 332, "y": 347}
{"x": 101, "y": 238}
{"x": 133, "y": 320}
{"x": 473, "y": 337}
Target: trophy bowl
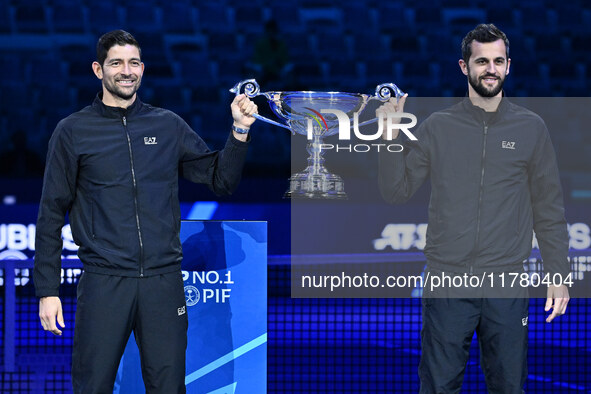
{"x": 312, "y": 114}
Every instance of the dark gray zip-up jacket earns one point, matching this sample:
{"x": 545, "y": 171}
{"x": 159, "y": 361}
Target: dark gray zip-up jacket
{"x": 492, "y": 182}
{"x": 115, "y": 172}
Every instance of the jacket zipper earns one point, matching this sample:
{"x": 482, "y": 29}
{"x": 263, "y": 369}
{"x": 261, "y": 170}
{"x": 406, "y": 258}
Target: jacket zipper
{"x": 480, "y": 193}
{"x": 135, "y": 203}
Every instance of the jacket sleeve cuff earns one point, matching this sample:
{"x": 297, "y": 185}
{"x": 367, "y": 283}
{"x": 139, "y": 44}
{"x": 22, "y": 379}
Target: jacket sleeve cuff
{"x": 47, "y": 292}
{"x": 237, "y": 142}
{"x": 562, "y": 271}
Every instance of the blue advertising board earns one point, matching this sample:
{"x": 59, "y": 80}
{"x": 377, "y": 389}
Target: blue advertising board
{"x": 225, "y": 277}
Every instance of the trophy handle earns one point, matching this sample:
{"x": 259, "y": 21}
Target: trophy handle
{"x": 384, "y": 93}
{"x": 385, "y": 90}
{"x": 252, "y": 89}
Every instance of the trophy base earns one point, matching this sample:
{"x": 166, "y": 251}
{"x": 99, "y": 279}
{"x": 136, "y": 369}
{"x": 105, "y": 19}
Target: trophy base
{"x": 324, "y": 186}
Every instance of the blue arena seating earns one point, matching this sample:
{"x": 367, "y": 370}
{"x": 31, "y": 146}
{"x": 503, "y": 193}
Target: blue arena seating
{"x": 205, "y": 46}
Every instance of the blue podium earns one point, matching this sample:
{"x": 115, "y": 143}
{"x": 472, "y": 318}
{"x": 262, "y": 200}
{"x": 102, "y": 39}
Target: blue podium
{"x": 225, "y": 275}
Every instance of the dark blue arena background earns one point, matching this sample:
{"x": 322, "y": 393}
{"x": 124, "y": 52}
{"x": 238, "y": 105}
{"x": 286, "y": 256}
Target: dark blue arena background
{"x": 194, "y": 51}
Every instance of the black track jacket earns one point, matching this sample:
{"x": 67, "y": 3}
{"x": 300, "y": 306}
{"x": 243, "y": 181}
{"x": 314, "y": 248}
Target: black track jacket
{"x": 492, "y": 182}
{"x": 115, "y": 173}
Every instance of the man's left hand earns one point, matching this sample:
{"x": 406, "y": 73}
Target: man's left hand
{"x": 557, "y": 301}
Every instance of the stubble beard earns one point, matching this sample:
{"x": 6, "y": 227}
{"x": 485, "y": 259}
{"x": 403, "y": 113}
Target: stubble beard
{"x": 118, "y": 92}
{"x": 478, "y": 85}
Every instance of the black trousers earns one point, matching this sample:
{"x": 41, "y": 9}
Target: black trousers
{"x": 109, "y": 309}
{"x": 448, "y": 327}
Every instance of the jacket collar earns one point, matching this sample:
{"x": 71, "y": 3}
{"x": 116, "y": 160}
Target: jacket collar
{"x": 480, "y": 115}
{"x": 115, "y": 112}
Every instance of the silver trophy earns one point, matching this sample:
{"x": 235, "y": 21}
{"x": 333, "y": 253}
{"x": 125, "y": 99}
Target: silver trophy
{"x": 309, "y": 113}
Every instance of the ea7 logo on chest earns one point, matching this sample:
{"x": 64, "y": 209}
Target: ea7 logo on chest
{"x": 508, "y": 145}
{"x": 150, "y": 141}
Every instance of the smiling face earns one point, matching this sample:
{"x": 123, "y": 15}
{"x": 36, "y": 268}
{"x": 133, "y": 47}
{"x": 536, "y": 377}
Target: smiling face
{"x": 486, "y": 69}
{"x": 121, "y": 74}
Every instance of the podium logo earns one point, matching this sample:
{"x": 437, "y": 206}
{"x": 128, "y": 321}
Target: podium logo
{"x": 192, "y": 295}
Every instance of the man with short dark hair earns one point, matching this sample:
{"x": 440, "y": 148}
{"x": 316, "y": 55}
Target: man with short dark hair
{"x": 113, "y": 167}
{"x": 494, "y": 179}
